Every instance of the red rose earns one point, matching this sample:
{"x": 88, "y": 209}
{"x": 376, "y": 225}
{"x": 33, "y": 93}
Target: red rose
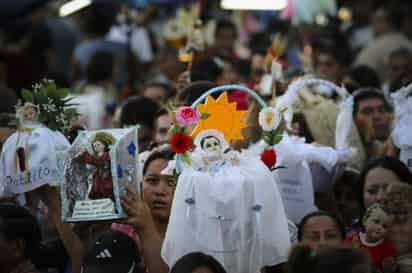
{"x": 181, "y": 143}
{"x": 188, "y": 113}
{"x": 269, "y": 158}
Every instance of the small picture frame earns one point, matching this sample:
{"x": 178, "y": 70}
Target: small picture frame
{"x": 96, "y": 171}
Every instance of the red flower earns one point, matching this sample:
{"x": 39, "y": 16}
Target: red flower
{"x": 181, "y": 143}
{"x": 269, "y": 158}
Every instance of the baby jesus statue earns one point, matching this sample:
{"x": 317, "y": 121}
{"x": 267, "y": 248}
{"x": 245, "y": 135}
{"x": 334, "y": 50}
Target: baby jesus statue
{"x": 213, "y": 151}
{"x": 376, "y": 222}
{"x": 226, "y": 204}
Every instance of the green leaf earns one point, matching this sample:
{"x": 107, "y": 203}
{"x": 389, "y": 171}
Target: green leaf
{"x": 276, "y": 139}
{"x": 70, "y": 111}
{"x": 51, "y": 87}
{"x": 267, "y": 138}
{"x": 41, "y": 98}
{"x": 42, "y": 117}
{"x": 53, "y": 93}
{"x": 186, "y": 158}
{"x": 43, "y": 92}
{"x": 175, "y": 129}
{"x": 27, "y": 95}
{"x": 63, "y": 92}
{"x": 204, "y": 115}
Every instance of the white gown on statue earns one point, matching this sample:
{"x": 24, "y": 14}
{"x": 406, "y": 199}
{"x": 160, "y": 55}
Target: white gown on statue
{"x": 233, "y": 212}
{"x": 42, "y": 144}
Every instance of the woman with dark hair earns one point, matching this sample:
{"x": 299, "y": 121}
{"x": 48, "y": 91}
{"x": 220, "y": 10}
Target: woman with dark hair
{"x": 377, "y": 175}
{"x": 304, "y": 259}
{"x": 320, "y": 229}
{"x": 197, "y": 262}
{"x": 149, "y": 213}
{"x": 20, "y": 239}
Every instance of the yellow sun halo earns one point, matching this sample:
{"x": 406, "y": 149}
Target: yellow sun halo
{"x": 223, "y": 117}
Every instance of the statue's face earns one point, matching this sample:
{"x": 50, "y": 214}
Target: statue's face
{"x": 377, "y": 224}
{"x": 98, "y": 146}
{"x": 30, "y": 114}
{"x": 211, "y": 145}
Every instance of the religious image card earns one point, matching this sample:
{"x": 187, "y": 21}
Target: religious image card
{"x": 96, "y": 171}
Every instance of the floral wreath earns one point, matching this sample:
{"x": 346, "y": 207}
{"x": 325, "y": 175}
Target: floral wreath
{"x": 54, "y": 109}
{"x": 270, "y": 119}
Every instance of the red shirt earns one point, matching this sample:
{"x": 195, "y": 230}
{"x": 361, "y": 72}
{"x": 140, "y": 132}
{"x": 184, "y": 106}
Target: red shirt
{"x": 378, "y": 252}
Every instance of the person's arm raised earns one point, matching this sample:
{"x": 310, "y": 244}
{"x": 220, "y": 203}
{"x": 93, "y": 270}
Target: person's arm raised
{"x": 140, "y": 217}
{"x": 72, "y": 243}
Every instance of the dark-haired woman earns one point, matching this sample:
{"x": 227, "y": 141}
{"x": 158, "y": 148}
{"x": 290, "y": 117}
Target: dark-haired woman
{"x": 377, "y": 175}
{"x": 321, "y": 229}
{"x": 149, "y": 213}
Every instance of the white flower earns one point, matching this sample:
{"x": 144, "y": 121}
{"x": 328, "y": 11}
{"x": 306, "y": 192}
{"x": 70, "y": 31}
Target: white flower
{"x": 50, "y": 107}
{"x": 37, "y": 86}
{"x": 269, "y": 119}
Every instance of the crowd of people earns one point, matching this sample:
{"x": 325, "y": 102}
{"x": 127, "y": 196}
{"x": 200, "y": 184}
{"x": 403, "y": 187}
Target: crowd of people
{"x": 125, "y": 67}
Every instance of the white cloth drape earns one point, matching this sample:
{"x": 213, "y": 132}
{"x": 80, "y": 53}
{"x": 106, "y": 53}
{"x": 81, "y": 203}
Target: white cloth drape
{"x": 234, "y": 213}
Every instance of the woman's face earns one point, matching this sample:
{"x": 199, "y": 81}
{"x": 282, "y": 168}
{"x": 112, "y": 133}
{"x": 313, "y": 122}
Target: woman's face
{"x": 158, "y": 189}
{"x": 376, "y": 183}
{"x": 321, "y": 231}
{"x": 98, "y": 146}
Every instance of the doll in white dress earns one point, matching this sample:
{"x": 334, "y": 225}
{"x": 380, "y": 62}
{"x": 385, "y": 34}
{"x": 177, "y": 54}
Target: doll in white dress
{"x": 28, "y": 157}
{"x": 227, "y": 205}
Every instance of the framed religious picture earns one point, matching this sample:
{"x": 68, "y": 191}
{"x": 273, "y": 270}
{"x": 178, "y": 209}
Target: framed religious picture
{"x": 96, "y": 171}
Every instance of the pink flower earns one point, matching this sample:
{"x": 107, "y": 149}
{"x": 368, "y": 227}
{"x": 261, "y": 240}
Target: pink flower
{"x": 187, "y": 116}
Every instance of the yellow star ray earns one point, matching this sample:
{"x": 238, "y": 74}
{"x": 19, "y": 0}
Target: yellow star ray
{"x": 224, "y": 117}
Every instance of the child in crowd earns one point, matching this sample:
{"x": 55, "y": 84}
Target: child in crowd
{"x": 376, "y": 222}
